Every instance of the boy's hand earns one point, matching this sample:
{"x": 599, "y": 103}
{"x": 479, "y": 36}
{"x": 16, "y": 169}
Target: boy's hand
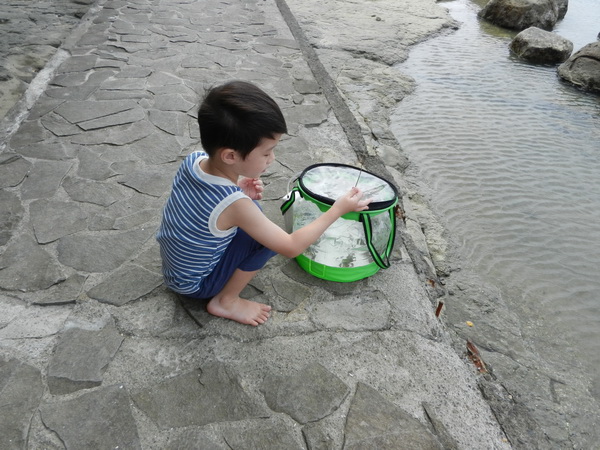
{"x": 352, "y": 201}
{"x": 252, "y": 187}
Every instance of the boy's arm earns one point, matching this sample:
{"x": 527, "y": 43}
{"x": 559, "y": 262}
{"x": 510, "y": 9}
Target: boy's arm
{"x": 246, "y": 215}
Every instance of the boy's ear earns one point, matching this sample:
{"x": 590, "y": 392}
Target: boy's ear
{"x": 229, "y": 156}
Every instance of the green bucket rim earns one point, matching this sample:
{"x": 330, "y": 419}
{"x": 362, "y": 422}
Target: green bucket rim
{"x": 337, "y": 274}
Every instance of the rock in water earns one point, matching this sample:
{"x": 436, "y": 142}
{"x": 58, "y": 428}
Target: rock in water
{"x": 583, "y": 68}
{"x": 541, "y": 47}
{"x": 522, "y": 14}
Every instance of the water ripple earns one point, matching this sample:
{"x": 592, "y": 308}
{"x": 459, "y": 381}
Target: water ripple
{"x": 513, "y": 157}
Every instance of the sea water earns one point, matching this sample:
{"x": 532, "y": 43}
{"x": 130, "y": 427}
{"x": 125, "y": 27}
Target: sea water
{"x": 512, "y": 156}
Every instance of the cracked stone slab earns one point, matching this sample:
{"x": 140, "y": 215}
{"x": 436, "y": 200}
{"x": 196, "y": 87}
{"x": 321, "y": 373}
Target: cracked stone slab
{"x": 308, "y": 395}
{"x": 121, "y": 118}
{"x": 127, "y": 284}
{"x": 11, "y": 213}
{"x": 25, "y": 266}
{"x": 93, "y": 167}
{"x": 175, "y": 123}
{"x": 150, "y": 182}
{"x": 13, "y": 169}
{"x": 81, "y": 357}
{"x": 308, "y": 115}
{"x": 95, "y": 192}
{"x": 374, "y": 422}
{"x": 100, "y": 253}
{"x": 174, "y": 102}
{"x": 52, "y": 219}
{"x": 370, "y": 311}
{"x": 56, "y": 151}
{"x": 289, "y": 294}
{"x": 44, "y": 179}
{"x": 118, "y": 135}
{"x": 157, "y": 148}
{"x": 207, "y": 395}
{"x": 22, "y": 387}
{"x": 264, "y": 437}
{"x": 99, "y": 419}
{"x": 82, "y": 111}
{"x": 59, "y": 126}
{"x": 36, "y": 322}
{"x": 30, "y": 132}
{"x": 78, "y": 64}
{"x": 62, "y": 293}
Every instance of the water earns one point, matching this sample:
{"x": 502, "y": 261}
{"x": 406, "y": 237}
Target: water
{"x": 513, "y": 158}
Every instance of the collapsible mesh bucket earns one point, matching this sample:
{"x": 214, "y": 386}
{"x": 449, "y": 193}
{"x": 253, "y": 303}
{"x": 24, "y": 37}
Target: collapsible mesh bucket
{"x": 356, "y": 245}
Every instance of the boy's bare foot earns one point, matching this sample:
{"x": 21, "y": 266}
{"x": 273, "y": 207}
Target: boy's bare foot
{"x": 239, "y": 309}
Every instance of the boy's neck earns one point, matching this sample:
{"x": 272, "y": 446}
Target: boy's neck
{"x": 218, "y": 170}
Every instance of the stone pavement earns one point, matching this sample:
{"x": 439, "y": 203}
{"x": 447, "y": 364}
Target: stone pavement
{"x": 96, "y": 353}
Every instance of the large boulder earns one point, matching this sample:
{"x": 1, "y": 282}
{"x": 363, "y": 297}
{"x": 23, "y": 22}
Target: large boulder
{"x": 522, "y": 14}
{"x": 583, "y": 68}
{"x": 541, "y": 47}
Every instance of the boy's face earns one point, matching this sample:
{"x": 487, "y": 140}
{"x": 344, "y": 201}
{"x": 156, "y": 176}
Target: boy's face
{"x": 259, "y": 159}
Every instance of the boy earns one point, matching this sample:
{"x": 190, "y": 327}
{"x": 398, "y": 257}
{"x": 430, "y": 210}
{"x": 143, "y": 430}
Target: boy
{"x": 214, "y": 237}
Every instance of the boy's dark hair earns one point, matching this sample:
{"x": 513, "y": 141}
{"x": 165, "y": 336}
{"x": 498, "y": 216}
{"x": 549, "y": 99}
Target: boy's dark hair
{"x": 238, "y": 115}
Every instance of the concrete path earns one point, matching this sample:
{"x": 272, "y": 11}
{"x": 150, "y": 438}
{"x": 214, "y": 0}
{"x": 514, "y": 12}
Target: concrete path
{"x": 96, "y": 353}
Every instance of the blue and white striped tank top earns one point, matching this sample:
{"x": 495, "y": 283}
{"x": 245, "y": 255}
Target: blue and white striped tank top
{"x": 190, "y": 242}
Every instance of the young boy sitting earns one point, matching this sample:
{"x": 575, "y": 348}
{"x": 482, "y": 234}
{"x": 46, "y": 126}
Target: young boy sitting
{"x": 213, "y": 236}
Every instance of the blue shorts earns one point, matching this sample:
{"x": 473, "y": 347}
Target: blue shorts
{"x": 242, "y": 253}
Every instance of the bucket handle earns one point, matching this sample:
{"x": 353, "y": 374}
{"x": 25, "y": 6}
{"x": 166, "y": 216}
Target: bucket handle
{"x": 288, "y": 200}
{"x": 382, "y": 261}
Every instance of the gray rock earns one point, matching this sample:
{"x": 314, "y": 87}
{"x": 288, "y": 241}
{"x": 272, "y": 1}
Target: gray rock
{"x": 208, "y": 395}
{"x": 307, "y": 115}
{"x": 119, "y": 135}
{"x": 157, "y": 148}
{"x": 82, "y": 111}
{"x": 95, "y": 192}
{"x": 43, "y": 179}
{"x": 25, "y": 266}
{"x": 543, "y": 47}
{"x": 374, "y": 422}
{"x": 11, "y": 213}
{"x": 522, "y": 14}
{"x": 59, "y": 126}
{"x": 308, "y": 395}
{"x": 55, "y": 151}
{"x": 100, "y": 253}
{"x": 36, "y": 322}
{"x": 13, "y": 169}
{"x": 353, "y": 313}
{"x": 93, "y": 167}
{"x": 62, "y": 293}
{"x": 99, "y": 419}
{"x": 80, "y": 358}
{"x": 583, "y": 68}
{"x": 52, "y": 220}
{"x": 121, "y": 118}
{"x": 174, "y": 123}
{"x": 22, "y": 388}
{"x": 174, "y": 102}
{"x": 30, "y": 132}
{"x": 127, "y": 284}
{"x": 150, "y": 182}
{"x": 78, "y": 64}
{"x": 265, "y": 437}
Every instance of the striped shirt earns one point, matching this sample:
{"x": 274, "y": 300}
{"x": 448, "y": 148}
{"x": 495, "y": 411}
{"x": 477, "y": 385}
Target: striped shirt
{"x": 190, "y": 242}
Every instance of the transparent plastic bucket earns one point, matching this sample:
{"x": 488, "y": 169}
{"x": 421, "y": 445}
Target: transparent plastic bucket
{"x": 356, "y": 245}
